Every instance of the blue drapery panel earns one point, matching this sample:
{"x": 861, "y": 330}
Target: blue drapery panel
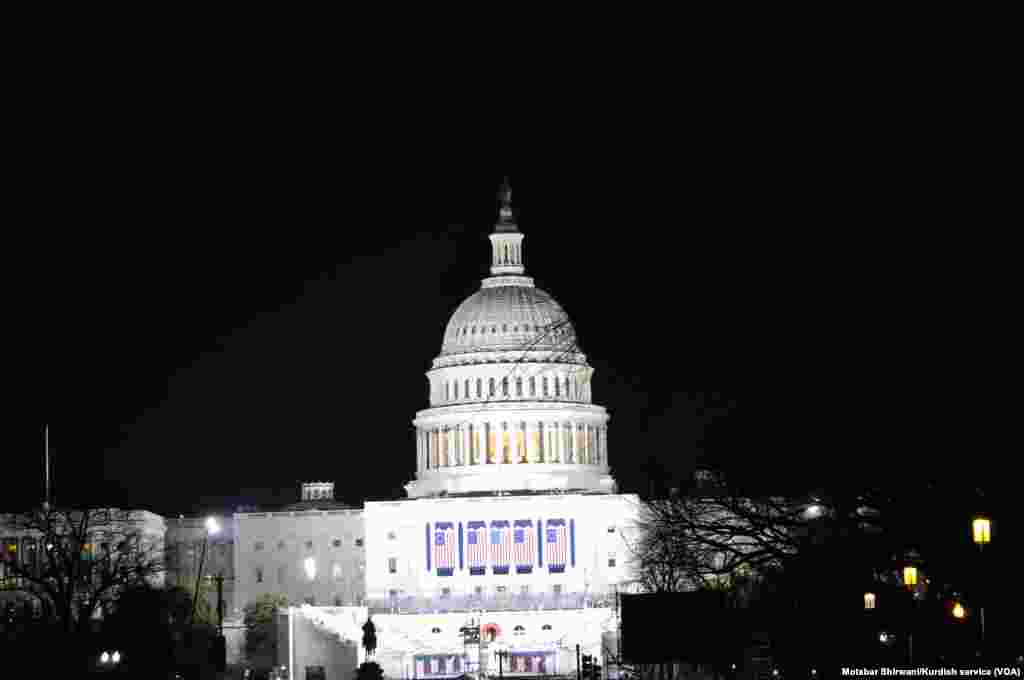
{"x": 540, "y": 543}
{"x": 476, "y": 547}
{"x": 556, "y": 545}
{"x": 572, "y": 542}
{"x": 522, "y": 545}
{"x": 501, "y": 546}
{"x": 444, "y": 548}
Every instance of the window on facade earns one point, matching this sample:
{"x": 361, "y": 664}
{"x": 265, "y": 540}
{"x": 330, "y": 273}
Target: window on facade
{"x": 435, "y": 630}
{"x": 500, "y": 589}
{"x": 392, "y": 565}
{"x": 546, "y": 626}
{"x": 456, "y": 390}
{"x": 545, "y": 387}
{"x": 311, "y": 601}
{"x": 309, "y": 565}
{"x": 558, "y": 390}
{"x": 336, "y": 571}
{"x": 359, "y": 543}
{"x": 479, "y": 387}
{"x": 309, "y": 545}
{"x": 524, "y": 590}
{"x": 478, "y": 590}
{"x": 336, "y": 543}
{"x": 391, "y": 535}
{"x": 519, "y": 387}
{"x": 465, "y": 390}
{"x": 259, "y": 574}
{"x": 393, "y": 594}
{"x": 337, "y": 601}
{"x": 519, "y": 630}
{"x": 447, "y": 388}
{"x": 533, "y": 387}
{"x": 491, "y": 387}
{"x": 257, "y": 546}
{"x": 280, "y": 545}
{"x": 446, "y": 593}
{"x": 504, "y": 387}
{"x": 611, "y": 559}
{"x": 557, "y": 589}
{"x": 611, "y": 530}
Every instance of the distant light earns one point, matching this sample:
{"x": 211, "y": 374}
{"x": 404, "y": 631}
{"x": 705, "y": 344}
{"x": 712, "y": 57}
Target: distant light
{"x": 910, "y": 576}
{"x": 883, "y": 637}
{"x": 116, "y": 657}
{"x": 870, "y": 600}
{"x": 958, "y": 611}
{"x": 310, "y": 566}
{"x": 814, "y": 511}
{"x": 982, "y": 530}
{"x": 104, "y": 657}
{"x": 212, "y": 526}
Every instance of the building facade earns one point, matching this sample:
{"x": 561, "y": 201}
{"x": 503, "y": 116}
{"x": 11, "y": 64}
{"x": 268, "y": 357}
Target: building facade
{"x": 512, "y": 528}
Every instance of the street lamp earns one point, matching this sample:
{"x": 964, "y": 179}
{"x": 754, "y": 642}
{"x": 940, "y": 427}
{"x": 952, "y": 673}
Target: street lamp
{"x": 958, "y": 611}
{"x": 212, "y": 527}
{"x": 870, "y": 600}
{"x": 910, "y": 576}
{"x": 982, "y": 530}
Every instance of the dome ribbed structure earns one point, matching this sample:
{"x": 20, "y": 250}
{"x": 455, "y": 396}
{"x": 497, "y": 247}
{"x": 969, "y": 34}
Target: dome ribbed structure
{"x": 507, "y": 318}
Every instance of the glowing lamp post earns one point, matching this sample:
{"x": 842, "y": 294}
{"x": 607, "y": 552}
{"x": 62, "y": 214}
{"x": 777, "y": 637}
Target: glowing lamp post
{"x": 870, "y": 600}
{"x": 982, "y": 534}
{"x": 958, "y": 612}
{"x": 982, "y": 531}
{"x": 910, "y": 576}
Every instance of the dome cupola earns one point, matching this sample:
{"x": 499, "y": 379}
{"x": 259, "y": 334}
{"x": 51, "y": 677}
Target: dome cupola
{"x": 510, "y": 400}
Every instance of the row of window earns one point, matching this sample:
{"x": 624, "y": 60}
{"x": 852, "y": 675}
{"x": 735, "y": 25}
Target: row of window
{"x": 335, "y": 543}
{"x": 478, "y": 591}
{"x": 556, "y": 388}
{"x": 309, "y": 569}
{"x": 518, "y": 630}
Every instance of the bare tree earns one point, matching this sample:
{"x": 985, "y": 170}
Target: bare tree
{"x": 74, "y": 562}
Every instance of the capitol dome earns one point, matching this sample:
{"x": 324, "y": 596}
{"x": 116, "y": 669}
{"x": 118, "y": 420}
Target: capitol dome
{"x": 510, "y": 400}
{"x": 505, "y": 317}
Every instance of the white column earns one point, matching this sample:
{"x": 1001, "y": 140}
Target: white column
{"x": 531, "y": 450}
{"x": 419, "y": 450}
{"x": 556, "y": 440}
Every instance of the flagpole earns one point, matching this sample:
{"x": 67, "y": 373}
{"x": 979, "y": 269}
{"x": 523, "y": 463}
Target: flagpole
{"x": 46, "y": 461}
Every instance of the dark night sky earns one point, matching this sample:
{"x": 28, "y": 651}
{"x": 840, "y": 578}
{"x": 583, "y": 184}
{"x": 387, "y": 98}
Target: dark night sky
{"x": 220, "y": 306}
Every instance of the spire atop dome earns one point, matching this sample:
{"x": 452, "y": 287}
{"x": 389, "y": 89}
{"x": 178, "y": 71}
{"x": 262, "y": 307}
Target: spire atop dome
{"x": 506, "y": 222}
{"x": 506, "y": 241}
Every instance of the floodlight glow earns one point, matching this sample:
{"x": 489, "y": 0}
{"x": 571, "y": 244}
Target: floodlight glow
{"x": 115, "y": 657}
{"x": 212, "y": 526}
{"x": 310, "y": 566}
{"x": 870, "y": 600}
{"x": 814, "y": 511}
{"x": 882, "y": 637}
{"x": 958, "y": 611}
{"x": 910, "y": 576}
{"x": 104, "y": 657}
{"x": 982, "y": 530}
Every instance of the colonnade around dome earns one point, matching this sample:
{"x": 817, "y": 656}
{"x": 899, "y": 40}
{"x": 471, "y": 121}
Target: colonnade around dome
{"x": 511, "y": 443}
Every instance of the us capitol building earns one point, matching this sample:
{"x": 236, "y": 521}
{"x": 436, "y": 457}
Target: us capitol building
{"x": 513, "y": 527}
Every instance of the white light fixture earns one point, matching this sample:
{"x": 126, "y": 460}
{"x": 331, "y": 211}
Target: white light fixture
{"x": 310, "y": 566}
{"x": 814, "y": 511}
{"x": 116, "y": 657}
{"x": 104, "y": 657}
{"x": 212, "y": 526}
